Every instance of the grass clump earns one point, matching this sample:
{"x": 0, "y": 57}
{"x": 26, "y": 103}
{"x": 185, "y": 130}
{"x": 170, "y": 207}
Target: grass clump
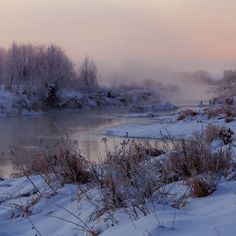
{"x": 215, "y": 132}
{"x": 124, "y": 180}
{"x": 186, "y": 114}
{"x": 133, "y": 174}
{"x": 64, "y": 165}
{"x": 225, "y": 111}
{"x": 202, "y": 186}
{"x": 212, "y": 132}
{"x": 193, "y": 158}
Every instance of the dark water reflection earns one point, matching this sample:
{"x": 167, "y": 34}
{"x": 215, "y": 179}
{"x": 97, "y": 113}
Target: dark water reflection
{"x": 21, "y": 135}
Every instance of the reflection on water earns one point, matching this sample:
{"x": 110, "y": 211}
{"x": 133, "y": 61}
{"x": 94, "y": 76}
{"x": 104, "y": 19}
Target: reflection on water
{"x": 21, "y": 135}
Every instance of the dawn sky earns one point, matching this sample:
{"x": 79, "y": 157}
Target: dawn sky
{"x": 181, "y": 34}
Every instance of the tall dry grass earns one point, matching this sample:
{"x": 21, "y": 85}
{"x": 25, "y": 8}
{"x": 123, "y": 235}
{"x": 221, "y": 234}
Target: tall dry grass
{"x": 132, "y": 174}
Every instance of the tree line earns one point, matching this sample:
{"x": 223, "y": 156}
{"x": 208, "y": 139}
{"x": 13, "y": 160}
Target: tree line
{"x": 32, "y": 68}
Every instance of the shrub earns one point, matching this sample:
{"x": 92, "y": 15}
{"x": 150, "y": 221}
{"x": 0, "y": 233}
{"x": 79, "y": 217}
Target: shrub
{"x": 66, "y": 166}
{"x": 202, "y": 186}
{"x": 130, "y": 177}
{"x": 225, "y": 111}
{"x": 212, "y": 132}
{"x": 211, "y": 113}
{"x": 195, "y": 157}
{"x": 187, "y": 113}
{"x": 124, "y": 179}
{"x": 227, "y": 135}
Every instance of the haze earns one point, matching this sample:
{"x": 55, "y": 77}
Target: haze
{"x": 138, "y": 36}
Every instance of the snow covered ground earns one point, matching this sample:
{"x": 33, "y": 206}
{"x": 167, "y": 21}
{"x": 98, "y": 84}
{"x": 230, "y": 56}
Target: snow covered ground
{"x": 29, "y": 206}
{"x": 167, "y": 126}
{"x": 212, "y": 215}
{"x": 64, "y": 214}
{"x": 12, "y": 104}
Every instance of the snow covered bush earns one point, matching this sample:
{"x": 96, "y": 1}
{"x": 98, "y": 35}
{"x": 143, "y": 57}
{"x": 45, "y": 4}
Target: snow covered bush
{"x": 195, "y": 157}
{"x": 124, "y": 180}
{"x": 194, "y": 161}
{"x": 50, "y": 97}
{"x": 226, "y": 88}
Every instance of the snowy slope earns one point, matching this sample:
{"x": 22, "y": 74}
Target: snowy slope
{"x": 212, "y": 215}
{"x": 177, "y": 129}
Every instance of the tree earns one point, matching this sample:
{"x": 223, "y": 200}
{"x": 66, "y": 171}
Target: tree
{"x": 30, "y": 67}
{"x": 2, "y": 64}
{"x": 88, "y": 73}
{"x": 227, "y": 85}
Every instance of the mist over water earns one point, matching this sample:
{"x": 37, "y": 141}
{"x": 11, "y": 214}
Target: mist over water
{"x": 176, "y": 86}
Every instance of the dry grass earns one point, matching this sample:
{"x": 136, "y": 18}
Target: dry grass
{"x": 123, "y": 177}
{"x": 215, "y": 132}
{"x": 229, "y": 119}
{"x": 211, "y": 113}
{"x": 186, "y": 114}
{"x": 226, "y": 111}
{"x": 201, "y": 186}
{"x": 212, "y": 132}
{"x": 193, "y": 158}
{"x": 64, "y": 165}
{"x": 128, "y": 178}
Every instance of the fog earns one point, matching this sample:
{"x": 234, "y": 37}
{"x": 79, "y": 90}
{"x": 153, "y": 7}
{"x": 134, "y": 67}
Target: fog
{"x": 175, "y": 85}
{"x": 132, "y": 40}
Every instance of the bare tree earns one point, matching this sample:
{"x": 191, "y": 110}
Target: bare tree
{"x": 227, "y": 85}
{"x": 31, "y": 67}
{"x": 88, "y": 73}
{"x": 2, "y": 64}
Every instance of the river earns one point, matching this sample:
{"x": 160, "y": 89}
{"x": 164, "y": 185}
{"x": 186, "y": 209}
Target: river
{"x": 21, "y": 135}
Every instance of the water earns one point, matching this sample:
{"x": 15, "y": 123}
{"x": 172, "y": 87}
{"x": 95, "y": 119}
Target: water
{"x": 21, "y": 135}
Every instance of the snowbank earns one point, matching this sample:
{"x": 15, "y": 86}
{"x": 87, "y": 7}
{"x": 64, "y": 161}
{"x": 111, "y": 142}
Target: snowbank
{"x": 133, "y": 100}
{"x": 210, "y": 215}
{"x": 176, "y": 129}
{"x": 12, "y": 104}
{"x": 137, "y": 100}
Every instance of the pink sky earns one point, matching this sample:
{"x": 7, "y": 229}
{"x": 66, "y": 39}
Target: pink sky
{"x": 181, "y": 34}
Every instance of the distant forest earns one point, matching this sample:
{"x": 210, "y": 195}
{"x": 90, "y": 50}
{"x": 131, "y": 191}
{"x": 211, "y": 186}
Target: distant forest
{"x": 31, "y": 68}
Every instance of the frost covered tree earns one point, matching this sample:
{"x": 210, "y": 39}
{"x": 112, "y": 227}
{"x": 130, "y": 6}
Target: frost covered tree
{"x": 31, "y": 67}
{"x": 88, "y": 73}
{"x": 227, "y": 85}
{"x": 59, "y": 66}
{"x": 2, "y": 64}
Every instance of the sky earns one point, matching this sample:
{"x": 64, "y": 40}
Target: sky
{"x": 179, "y": 34}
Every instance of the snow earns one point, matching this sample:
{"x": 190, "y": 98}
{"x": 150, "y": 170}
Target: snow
{"x": 203, "y": 216}
{"x": 132, "y": 100}
{"x": 216, "y": 144}
{"x": 165, "y": 125}
{"x": 27, "y": 210}
{"x": 178, "y": 129}
{"x": 12, "y": 104}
